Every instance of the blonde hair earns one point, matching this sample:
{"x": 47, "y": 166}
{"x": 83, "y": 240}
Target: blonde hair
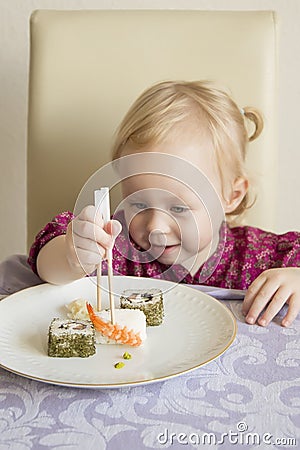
{"x": 161, "y": 107}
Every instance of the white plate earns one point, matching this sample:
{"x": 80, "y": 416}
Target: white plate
{"x": 196, "y": 329}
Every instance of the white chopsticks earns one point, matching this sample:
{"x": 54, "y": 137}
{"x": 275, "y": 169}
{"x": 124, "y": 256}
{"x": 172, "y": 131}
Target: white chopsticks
{"x": 102, "y": 203}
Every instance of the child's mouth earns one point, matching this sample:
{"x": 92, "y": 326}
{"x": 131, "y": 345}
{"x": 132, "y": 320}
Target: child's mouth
{"x": 161, "y": 250}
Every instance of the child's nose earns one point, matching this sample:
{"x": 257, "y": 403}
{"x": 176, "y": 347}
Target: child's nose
{"x": 158, "y": 221}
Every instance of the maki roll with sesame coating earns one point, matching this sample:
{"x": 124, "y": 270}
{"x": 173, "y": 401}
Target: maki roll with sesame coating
{"x": 150, "y": 301}
{"x": 71, "y": 338}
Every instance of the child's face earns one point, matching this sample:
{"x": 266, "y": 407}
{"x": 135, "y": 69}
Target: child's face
{"x": 164, "y": 215}
{"x": 166, "y": 218}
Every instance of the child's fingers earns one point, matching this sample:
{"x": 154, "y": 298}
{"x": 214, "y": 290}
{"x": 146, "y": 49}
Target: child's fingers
{"x": 89, "y": 224}
{"x": 88, "y": 239}
{"x": 277, "y": 301}
{"x": 254, "y": 289}
{"x": 91, "y": 214}
{"x": 89, "y": 230}
{"x": 113, "y": 227}
{"x": 270, "y": 291}
{"x": 87, "y": 258}
{"x": 88, "y": 245}
{"x": 259, "y": 300}
{"x": 293, "y": 310}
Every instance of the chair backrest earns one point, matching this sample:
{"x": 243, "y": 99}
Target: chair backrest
{"x": 87, "y": 67}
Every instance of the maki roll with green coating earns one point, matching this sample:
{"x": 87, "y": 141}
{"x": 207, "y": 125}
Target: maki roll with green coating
{"x": 71, "y": 338}
{"x": 150, "y": 301}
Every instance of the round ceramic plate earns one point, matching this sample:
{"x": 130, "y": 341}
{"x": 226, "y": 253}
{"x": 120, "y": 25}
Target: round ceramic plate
{"x": 196, "y": 329}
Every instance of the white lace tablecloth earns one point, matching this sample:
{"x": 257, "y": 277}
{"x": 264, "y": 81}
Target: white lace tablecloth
{"x": 247, "y": 398}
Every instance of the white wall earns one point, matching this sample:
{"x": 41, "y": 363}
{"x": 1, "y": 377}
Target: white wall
{"x": 14, "y": 23}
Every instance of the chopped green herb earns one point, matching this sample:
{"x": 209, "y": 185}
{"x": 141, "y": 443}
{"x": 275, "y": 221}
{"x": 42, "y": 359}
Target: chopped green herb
{"x": 119, "y": 365}
{"x": 126, "y": 355}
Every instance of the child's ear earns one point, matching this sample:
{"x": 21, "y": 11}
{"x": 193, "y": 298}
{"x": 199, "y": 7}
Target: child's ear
{"x": 239, "y": 189}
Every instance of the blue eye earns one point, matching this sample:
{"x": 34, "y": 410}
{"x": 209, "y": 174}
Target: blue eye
{"x": 138, "y": 205}
{"x": 179, "y": 209}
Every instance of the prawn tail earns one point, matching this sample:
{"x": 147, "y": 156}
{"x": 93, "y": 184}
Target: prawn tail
{"x": 132, "y": 338}
{"x": 120, "y": 334}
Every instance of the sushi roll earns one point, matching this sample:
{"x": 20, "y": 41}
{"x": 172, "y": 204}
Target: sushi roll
{"x": 149, "y": 301}
{"x": 129, "y": 327}
{"x": 71, "y": 338}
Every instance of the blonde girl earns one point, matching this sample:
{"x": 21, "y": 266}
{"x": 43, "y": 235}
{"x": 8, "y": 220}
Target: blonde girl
{"x": 166, "y": 225}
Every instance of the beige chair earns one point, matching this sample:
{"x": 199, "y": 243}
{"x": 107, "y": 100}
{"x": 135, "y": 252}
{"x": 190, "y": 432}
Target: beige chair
{"x": 87, "y": 67}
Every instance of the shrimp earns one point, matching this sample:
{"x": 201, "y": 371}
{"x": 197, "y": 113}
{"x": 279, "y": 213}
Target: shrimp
{"x": 120, "y": 334}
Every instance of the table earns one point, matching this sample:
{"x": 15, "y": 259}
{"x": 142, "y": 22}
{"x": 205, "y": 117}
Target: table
{"x": 247, "y": 398}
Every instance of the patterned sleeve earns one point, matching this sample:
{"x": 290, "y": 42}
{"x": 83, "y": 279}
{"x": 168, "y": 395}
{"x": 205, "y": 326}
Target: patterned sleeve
{"x": 56, "y": 227}
{"x": 289, "y": 247}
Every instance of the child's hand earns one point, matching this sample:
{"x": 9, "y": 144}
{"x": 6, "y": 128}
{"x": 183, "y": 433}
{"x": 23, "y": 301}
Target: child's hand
{"x": 272, "y": 289}
{"x": 87, "y": 239}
